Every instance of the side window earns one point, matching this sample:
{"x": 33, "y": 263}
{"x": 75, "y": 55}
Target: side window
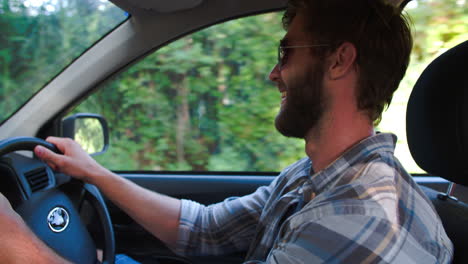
{"x": 436, "y": 27}
{"x": 202, "y": 103}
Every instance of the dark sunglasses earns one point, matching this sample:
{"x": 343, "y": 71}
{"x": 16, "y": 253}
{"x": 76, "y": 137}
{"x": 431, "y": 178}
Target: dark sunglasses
{"x": 282, "y": 52}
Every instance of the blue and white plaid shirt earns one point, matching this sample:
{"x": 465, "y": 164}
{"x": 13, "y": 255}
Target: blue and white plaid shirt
{"x": 363, "y": 208}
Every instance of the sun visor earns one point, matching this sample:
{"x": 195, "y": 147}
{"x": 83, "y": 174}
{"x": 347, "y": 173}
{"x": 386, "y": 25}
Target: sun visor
{"x": 136, "y": 7}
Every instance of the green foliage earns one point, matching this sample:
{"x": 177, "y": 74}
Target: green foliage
{"x": 201, "y": 103}
{"x": 89, "y": 134}
{"x": 436, "y": 26}
{"x": 36, "y": 43}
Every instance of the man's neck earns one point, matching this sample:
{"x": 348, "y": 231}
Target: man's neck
{"x": 335, "y": 134}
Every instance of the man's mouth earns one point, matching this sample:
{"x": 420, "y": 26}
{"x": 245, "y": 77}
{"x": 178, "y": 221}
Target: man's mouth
{"x": 283, "y": 97}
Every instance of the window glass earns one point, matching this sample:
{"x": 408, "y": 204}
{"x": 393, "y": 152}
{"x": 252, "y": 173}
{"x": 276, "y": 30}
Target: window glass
{"x": 436, "y": 26}
{"x": 204, "y": 102}
{"x": 38, "y": 38}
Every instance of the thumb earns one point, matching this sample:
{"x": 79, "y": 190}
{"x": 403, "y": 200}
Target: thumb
{"x": 48, "y": 156}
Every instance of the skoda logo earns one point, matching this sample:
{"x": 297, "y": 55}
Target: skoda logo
{"x": 58, "y": 219}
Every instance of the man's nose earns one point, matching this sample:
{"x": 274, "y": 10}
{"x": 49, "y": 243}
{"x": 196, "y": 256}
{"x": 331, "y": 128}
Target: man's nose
{"x": 275, "y": 74}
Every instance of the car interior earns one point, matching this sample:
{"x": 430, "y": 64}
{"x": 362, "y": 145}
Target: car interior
{"x": 436, "y": 129}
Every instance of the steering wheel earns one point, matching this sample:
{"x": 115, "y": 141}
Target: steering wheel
{"x": 52, "y": 214}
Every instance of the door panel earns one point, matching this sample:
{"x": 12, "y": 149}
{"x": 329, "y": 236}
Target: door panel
{"x": 205, "y": 189}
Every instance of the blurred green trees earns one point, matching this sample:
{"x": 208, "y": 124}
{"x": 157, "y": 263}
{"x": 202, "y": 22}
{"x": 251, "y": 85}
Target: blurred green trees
{"x": 437, "y": 25}
{"x": 204, "y": 102}
{"x": 39, "y": 38}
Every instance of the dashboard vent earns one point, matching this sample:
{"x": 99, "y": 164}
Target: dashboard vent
{"x": 37, "y": 179}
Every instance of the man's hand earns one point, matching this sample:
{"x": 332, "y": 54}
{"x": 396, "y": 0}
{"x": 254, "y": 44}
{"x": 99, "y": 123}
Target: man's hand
{"x": 74, "y": 161}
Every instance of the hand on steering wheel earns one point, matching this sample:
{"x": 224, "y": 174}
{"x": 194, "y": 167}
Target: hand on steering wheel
{"x": 74, "y": 161}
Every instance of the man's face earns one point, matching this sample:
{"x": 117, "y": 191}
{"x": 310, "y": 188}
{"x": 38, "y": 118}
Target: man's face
{"x": 300, "y": 81}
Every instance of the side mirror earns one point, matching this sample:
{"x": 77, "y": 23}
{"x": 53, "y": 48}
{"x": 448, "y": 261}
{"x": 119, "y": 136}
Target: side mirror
{"x": 89, "y": 130}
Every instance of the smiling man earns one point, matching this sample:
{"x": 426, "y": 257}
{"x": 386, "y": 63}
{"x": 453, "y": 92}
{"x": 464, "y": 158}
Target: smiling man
{"x": 349, "y": 200}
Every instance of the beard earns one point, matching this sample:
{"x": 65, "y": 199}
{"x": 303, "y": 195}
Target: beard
{"x": 304, "y": 103}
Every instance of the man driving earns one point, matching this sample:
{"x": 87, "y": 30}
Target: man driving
{"x": 349, "y": 200}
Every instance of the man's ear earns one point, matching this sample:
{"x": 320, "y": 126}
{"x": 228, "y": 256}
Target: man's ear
{"x": 342, "y": 60}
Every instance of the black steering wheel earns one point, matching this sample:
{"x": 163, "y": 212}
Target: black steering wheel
{"x": 52, "y": 212}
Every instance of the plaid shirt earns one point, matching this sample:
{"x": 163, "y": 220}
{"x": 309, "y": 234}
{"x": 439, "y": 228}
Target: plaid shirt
{"x": 363, "y": 208}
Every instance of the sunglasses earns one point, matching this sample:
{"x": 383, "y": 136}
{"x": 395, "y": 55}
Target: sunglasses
{"x": 282, "y": 53}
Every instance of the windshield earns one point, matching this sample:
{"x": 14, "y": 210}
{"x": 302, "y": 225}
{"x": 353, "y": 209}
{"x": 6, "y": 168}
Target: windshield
{"x": 39, "y": 38}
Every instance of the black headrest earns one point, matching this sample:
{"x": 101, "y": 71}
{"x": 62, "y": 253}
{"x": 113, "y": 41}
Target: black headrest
{"x": 437, "y": 116}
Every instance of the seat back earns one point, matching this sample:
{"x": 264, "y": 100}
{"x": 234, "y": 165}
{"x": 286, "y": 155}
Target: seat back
{"x": 437, "y": 131}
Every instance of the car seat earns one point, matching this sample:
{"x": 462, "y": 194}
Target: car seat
{"x": 437, "y": 131}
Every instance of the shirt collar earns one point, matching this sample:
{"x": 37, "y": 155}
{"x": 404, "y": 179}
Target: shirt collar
{"x": 326, "y": 178}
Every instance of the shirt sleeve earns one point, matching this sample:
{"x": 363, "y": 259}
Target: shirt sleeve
{"x": 221, "y": 228}
{"x": 350, "y": 239}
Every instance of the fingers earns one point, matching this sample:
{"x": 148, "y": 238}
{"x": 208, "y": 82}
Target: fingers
{"x": 51, "y": 158}
{"x": 61, "y": 143}
{"x": 55, "y": 161}
{"x": 74, "y": 161}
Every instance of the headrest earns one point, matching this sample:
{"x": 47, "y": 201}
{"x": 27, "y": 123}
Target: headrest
{"x": 437, "y": 116}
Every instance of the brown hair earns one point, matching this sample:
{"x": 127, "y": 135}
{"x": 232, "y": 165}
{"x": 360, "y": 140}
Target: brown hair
{"x": 380, "y": 33}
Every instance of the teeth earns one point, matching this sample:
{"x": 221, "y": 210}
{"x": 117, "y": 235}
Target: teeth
{"x": 283, "y": 94}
